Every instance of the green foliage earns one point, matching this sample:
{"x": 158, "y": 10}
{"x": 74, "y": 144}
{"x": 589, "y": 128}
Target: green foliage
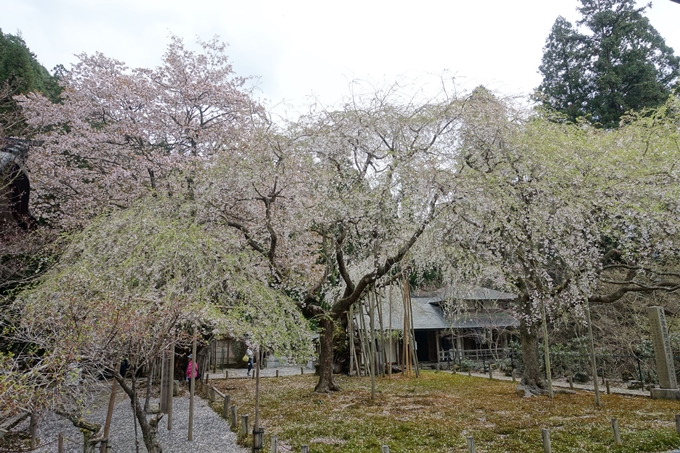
{"x": 619, "y": 63}
{"x": 20, "y": 73}
{"x": 19, "y": 68}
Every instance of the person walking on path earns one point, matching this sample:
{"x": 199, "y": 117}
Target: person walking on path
{"x": 191, "y": 365}
{"x": 249, "y": 353}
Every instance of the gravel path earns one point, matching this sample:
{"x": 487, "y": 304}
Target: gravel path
{"x": 211, "y": 433}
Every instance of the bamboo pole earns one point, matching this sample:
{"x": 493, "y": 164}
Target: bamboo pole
{"x": 172, "y": 385}
{"x": 382, "y": 353}
{"x": 350, "y": 331}
{"x": 546, "y": 350}
{"x": 374, "y": 356}
{"x": 389, "y": 368}
{"x": 593, "y": 360}
{"x": 192, "y": 386}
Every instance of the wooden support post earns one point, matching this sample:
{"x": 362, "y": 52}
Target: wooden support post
{"x": 226, "y": 374}
{"x": 302, "y": 370}
{"x": 490, "y": 372}
{"x": 192, "y": 385}
{"x": 385, "y": 449}
{"x": 514, "y": 378}
{"x": 171, "y": 395}
{"x": 211, "y": 394}
{"x": 244, "y": 425}
{"x": 60, "y": 443}
{"x": 275, "y": 444}
{"x": 277, "y": 373}
{"x": 471, "y": 444}
{"x": 546, "y": 440}
{"x": 234, "y": 422}
{"x": 571, "y": 382}
{"x": 617, "y": 434}
{"x": 304, "y": 449}
{"x": 225, "y": 408}
{"x": 606, "y": 383}
{"x": 33, "y": 430}
{"x": 677, "y": 423}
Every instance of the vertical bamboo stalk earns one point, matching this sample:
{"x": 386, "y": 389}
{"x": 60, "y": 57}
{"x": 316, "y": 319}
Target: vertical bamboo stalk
{"x": 192, "y": 386}
{"x": 389, "y": 361}
{"x": 546, "y": 350}
{"x": 593, "y": 360}
{"x": 382, "y": 353}
{"x": 350, "y": 331}
{"x": 171, "y": 396}
{"x": 371, "y": 320}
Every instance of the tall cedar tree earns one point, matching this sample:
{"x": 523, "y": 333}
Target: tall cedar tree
{"x": 614, "y": 63}
{"x": 20, "y": 73}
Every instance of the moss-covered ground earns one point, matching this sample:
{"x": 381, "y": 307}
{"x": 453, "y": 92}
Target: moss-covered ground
{"x": 436, "y": 412}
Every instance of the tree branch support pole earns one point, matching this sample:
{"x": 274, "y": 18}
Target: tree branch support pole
{"x": 109, "y": 416}
{"x": 546, "y": 350}
{"x": 171, "y": 395}
{"x": 192, "y": 386}
{"x": 593, "y": 360}
{"x": 256, "y": 424}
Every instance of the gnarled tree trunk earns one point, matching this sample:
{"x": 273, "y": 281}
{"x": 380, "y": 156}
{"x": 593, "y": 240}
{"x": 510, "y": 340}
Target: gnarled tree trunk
{"x": 326, "y": 382}
{"x": 532, "y": 380}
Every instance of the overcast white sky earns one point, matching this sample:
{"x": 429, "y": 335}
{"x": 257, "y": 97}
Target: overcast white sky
{"x": 299, "y": 48}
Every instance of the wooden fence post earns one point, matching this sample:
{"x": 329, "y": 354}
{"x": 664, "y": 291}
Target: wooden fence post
{"x": 617, "y": 434}
{"x": 33, "y": 429}
{"x": 302, "y": 370}
{"x": 275, "y": 444}
{"x": 677, "y": 423}
{"x": 546, "y": 440}
{"x": 277, "y": 373}
{"x": 606, "y": 383}
{"x": 225, "y": 408}
{"x": 234, "y": 422}
{"x": 471, "y": 444}
{"x": 304, "y": 449}
{"x": 244, "y": 425}
{"x": 386, "y": 448}
{"x": 60, "y": 443}
{"x": 571, "y": 382}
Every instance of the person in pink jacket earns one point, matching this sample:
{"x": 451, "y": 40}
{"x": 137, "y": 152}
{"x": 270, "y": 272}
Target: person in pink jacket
{"x": 193, "y": 365}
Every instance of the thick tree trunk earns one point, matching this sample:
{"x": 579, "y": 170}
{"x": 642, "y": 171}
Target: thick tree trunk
{"x": 532, "y": 379}
{"x": 326, "y": 382}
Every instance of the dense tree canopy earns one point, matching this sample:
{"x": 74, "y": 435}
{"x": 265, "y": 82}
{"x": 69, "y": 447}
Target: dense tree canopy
{"x": 614, "y": 63}
{"x": 20, "y": 73}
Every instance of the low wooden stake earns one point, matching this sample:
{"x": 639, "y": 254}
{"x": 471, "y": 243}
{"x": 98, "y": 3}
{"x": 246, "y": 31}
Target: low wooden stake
{"x": 234, "y": 422}
{"x": 471, "y": 444}
{"x": 277, "y": 373}
{"x": 302, "y": 370}
{"x": 244, "y": 425}
{"x": 617, "y": 434}
{"x": 677, "y": 423}
{"x": 385, "y": 449}
{"x": 606, "y": 383}
{"x": 60, "y": 443}
{"x": 514, "y": 379}
{"x": 33, "y": 429}
{"x": 546, "y": 440}
{"x": 275, "y": 444}
{"x": 304, "y": 449}
{"x": 225, "y": 408}
{"x": 571, "y": 382}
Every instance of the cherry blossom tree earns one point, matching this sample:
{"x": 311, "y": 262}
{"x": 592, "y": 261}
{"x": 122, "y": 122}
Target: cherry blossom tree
{"x": 117, "y": 134}
{"x": 129, "y": 286}
{"x": 336, "y": 202}
{"x": 565, "y": 214}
